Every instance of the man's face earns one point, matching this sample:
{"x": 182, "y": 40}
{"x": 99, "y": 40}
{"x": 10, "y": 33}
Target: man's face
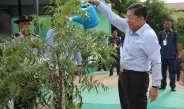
{"x": 25, "y": 27}
{"x": 167, "y": 25}
{"x": 114, "y": 33}
{"x": 133, "y": 21}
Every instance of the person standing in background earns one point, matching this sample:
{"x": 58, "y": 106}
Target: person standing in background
{"x": 50, "y": 43}
{"x": 117, "y": 43}
{"x": 24, "y": 24}
{"x": 170, "y": 51}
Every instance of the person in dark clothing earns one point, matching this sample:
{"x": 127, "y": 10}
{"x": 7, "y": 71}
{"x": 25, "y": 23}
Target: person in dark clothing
{"x": 169, "y": 42}
{"x": 117, "y": 43}
{"x": 178, "y": 68}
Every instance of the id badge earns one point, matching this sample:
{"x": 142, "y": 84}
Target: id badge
{"x": 115, "y": 45}
{"x": 164, "y": 42}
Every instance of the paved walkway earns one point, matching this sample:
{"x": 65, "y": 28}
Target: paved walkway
{"x": 107, "y": 80}
{"x": 167, "y": 99}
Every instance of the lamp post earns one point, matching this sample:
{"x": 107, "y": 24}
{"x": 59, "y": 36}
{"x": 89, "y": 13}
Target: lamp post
{"x": 36, "y": 11}
{"x": 19, "y": 8}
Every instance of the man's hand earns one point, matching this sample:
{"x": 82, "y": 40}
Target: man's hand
{"x": 178, "y": 56}
{"x": 153, "y": 94}
{"x": 96, "y": 2}
{"x": 80, "y": 71}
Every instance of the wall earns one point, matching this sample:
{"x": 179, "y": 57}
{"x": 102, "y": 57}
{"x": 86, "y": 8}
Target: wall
{"x": 5, "y": 28}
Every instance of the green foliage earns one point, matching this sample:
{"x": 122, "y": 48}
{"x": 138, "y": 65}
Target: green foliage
{"x": 179, "y": 14}
{"x": 121, "y": 8}
{"x": 24, "y": 73}
{"x": 90, "y": 43}
{"x": 180, "y": 30}
{"x": 158, "y": 12}
{"x": 20, "y": 74}
{"x": 180, "y": 26}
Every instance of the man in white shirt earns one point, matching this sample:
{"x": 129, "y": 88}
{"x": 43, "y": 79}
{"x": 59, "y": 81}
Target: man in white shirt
{"x": 50, "y": 43}
{"x": 140, "y": 50}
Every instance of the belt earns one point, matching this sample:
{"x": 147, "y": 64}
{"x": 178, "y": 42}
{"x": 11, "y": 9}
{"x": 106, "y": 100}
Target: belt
{"x": 133, "y": 72}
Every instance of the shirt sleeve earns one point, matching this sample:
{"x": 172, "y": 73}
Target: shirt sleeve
{"x": 176, "y": 37}
{"x": 79, "y": 58}
{"x": 159, "y": 37}
{"x": 109, "y": 41}
{"x": 49, "y": 42}
{"x": 114, "y": 19}
{"x": 49, "y": 38}
{"x": 48, "y": 35}
{"x": 152, "y": 50}
{"x": 120, "y": 41}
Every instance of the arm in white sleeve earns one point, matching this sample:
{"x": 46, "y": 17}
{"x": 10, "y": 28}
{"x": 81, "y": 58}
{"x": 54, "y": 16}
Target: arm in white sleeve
{"x": 153, "y": 52}
{"x": 79, "y": 58}
{"x": 49, "y": 42}
{"x": 49, "y": 38}
{"x": 156, "y": 68}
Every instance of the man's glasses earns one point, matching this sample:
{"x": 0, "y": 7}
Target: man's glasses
{"x": 130, "y": 17}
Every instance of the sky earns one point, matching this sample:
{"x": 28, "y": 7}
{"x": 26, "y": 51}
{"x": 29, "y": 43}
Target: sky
{"x": 172, "y": 1}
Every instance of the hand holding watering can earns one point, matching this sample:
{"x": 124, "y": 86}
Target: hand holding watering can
{"x": 96, "y": 2}
{"x": 88, "y": 21}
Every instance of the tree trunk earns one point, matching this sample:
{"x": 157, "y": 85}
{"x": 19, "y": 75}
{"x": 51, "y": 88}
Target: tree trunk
{"x": 61, "y": 93}
{"x": 60, "y": 99}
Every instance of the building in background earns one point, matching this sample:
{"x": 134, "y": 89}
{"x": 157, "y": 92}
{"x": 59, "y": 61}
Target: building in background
{"x": 179, "y": 6}
{"x": 11, "y": 9}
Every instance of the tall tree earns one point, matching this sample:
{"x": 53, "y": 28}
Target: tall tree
{"x": 157, "y": 13}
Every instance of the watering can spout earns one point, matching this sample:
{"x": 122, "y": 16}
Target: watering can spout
{"x": 87, "y": 21}
{"x": 77, "y": 19}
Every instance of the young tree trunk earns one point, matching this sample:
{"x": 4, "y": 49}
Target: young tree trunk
{"x": 60, "y": 100}
{"x": 61, "y": 93}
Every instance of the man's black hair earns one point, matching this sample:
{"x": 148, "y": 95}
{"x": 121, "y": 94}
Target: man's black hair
{"x": 140, "y": 10}
{"x": 167, "y": 20}
{"x": 114, "y": 29}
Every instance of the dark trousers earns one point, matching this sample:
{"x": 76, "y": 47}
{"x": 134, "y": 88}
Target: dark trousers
{"x": 133, "y": 87}
{"x": 170, "y": 63}
{"x": 178, "y": 74}
{"x": 117, "y": 65}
